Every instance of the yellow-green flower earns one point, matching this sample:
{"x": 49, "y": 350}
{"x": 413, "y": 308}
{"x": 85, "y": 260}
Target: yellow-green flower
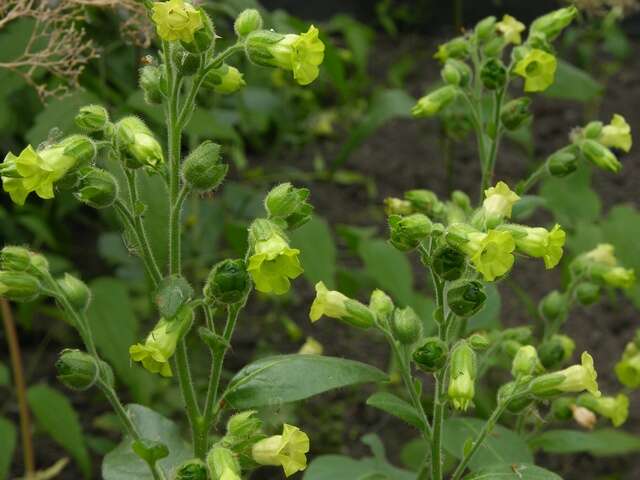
{"x": 538, "y": 68}
{"x": 462, "y": 375}
{"x": 287, "y": 450}
{"x": 300, "y": 53}
{"x": 176, "y": 20}
{"x": 620, "y": 277}
{"x": 333, "y": 304}
{"x": 510, "y": 28}
{"x": 499, "y": 200}
{"x": 229, "y": 474}
{"x": 461, "y": 391}
{"x": 617, "y": 134}
{"x": 224, "y": 79}
{"x": 604, "y": 253}
{"x": 628, "y": 368}
{"x": 539, "y": 242}
{"x": 491, "y": 253}
{"x": 160, "y": 344}
{"x": 311, "y": 347}
{"x": 273, "y": 263}
{"x": 573, "y": 379}
{"x": 615, "y": 408}
{"x": 602, "y": 266}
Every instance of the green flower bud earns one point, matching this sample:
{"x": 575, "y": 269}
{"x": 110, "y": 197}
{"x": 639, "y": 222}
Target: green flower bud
{"x": 204, "y": 38}
{"x": 552, "y": 24}
{"x": 194, "y": 469}
{"x": 485, "y": 28}
{"x": 222, "y": 461}
{"x": 76, "y": 291}
{"x": 92, "y": 118}
{"x": 456, "y": 72}
{"x": 77, "y": 370}
{"x": 553, "y": 306}
{"x": 479, "y": 341}
{"x": 136, "y": 143}
{"x": 448, "y": 263}
{"x": 228, "y": 282}
{"x": 515, "y": 112}
{"x": 431, "y": 356}
{"x": 466, "y": 297}
{"x": 381, "y": 305}
{"x": 462, "y": 375}
{"x": 150, "y": 451}
{"x": 172, "y": 293}
{"x": 243, "y": 427}
{"x": 425, "y": 201}
{"x": 493, "y": 74}
{"x": 397, "y": 206}
{"x": 407, "y": 326}
{"x": 556, "y": 351}
{"x": 516, "y": 405}
{"x": 593, "y": 130}
{"x": 510, "y": 347}
{"x": 563, "y": 162}
{"x": 519, "y": 334}
{"x": 290, "y": 204}
{"x": 588, "y": 293}
{"x": 224, "y": 80}
{"x": 408, "y": 232}
{"x": 80, "y": 148}
{"x": 525, "y": 362}
{"x": 562, "y": 408}
{"x": 202, "y": 169}
{"x": 434, "y": 102}
{"x": 19, "y": 286}
{"x": 600, "y": 155}
{"x": 462, "y": 200}
{"x": 494, "y": 47}
{"x": 97, "y": 188}
{"x": 150, "y": 83}
{"x": 15, "y": 259}
{"x": 455, "y": 48}
{"x": 248, "y": 21}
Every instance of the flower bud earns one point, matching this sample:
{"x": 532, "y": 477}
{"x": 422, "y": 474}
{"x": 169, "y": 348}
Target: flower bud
{"x": 136, "y": 143}
{"x": 563, "y": 162}
{"x": 525, "y": 362}
{"x": 434, "y": 102}
{"x": 172, "y": 293}
{"x": 408, "y": 232}
{"x": 77, "y": 370}
{"x": 311, "y": 347}
{"x": 584, "y": 417}
{"x": 448, "y": 263}
{"x": 248, "y": 21}
{"x": 600, "y": 155}
{"x": 202, "y": 169}
{"x": 431, "y": 356}
{"x": 510, "y": 347}
{"x": 515, "y": 112}
{"x": 228, "y": 282}
{"x": 19, "y": 286}
{"x": 397, "y": 206}
{"x": 519, "y": 334}
{"x": 425, "y": 201}
{"x": 290, "y": 204}
{"x": 552, "y": 24}
{"x": 243, "y": 428}
{"x": 462, "y": 373}
{"x": 381, "y": 305}
{"x": 561, "y": 408}
{"x": 556, "y": 351}
{"x": 80, "y": 148}
{"x": 466, "y": 297}
{"x": 193, "y": 469}
{"x": 76, "y": 291}
{"x": 462, "y": 200}
{"x": 221, "y": 461}
{"x": 485, "y": 28}
{"x": 204, "y": 38}
{"x": 150, "y": 83}
{"x": 479, "y": 341}
{"x": 628, "y": 368}
{"x": 592, "y": 130}
{"x": 151, "y": 451}
{"x": 97, "y": 188}
{"x": 493, "y": 74}
{"x": 407, "y": 326}
{"x": 553, "y": 306}
{"x": 224, "y": 80}
{"x": 456, "y": 72}
{"x": 92, "y": 118}
{"x": 587, "y": 293}
{"x": 494, "y": 47}
{"x": 455, "y": 48}
{"x": 15, "y": 259}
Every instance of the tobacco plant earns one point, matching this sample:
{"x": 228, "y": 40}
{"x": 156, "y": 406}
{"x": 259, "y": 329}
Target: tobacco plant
{"x": 466, "y": 248}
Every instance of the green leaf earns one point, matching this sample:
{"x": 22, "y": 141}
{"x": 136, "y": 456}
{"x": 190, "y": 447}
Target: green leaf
{"x": 389, "y": 268}
{"x": 123, "y": 464}
{"x": 5, "y": 376}
{"x": 572, "y": 83}
{"x": 515, "y": 471}
{"x": 288, "y": 378}
{"x": 115, "y": 329}
{"x": 153, "y": 193}
{"x": 8, "y": 441}
{"x": 396, "y": 406}
{"x": 317, "y": 251}
{"x": 500, "y": 446}
{"x": 339, "y": 467}
{"x": 56, "y": 416}
{"x": 603, "y": 442}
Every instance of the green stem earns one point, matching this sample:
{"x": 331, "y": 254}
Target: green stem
{"x": 533, "y": 179}
{"x": 438, "y": 418}
{"x": 181, "y": 360}
{"x": 489, "y": 163}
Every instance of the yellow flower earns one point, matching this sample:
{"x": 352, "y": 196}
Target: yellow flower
{"x": 620, "y": 277}
{"x": 176, "y": 20}
{"x": 575, "y": 378}
{"x": 336, "y": 305}
{"x": 510, "y": 28}
{"x": 311, "y": 347}
{"x": 287, "y": 450}
{"x": 160, "y": 344}
{"x": 539, "y": 242}
{"x": 273, "y": 263}
{"x": 615, "y": 408}
{"x": 604, "y": 253}
{"x": 499, "y": 200}
{"x": 617, "y": 134}
{"x": 491, "y": 252}
{"x": 461, "y": 391}
{"x": 538, "y": 68}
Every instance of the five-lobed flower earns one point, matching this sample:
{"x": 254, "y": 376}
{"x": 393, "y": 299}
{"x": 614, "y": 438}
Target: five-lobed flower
{"x": 333, "y": 304}
{"x": 617, "y": 134}
{"x": 573, "y": 379}
{"x": 176, "y": 20}
{"x": 287, "y": 450}
{"x": 510, "y": 29}
{"x": 538, "y": 68}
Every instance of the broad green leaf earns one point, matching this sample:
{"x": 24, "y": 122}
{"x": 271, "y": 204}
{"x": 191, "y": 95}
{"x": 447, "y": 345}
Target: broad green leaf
{"x": 339, "y": 467}
{"x": 599, "y": 442}
{"x": 317, "y": 251}
{"x": 288, "y": 378}
{"x": 489, "y": 317}
{"x": 55, "y": 415}
{"x": 515, "y": 471}
{"x": 115, "y": 329}
{"x": 572, "y": 83}
{"x": 8, "y": 437}
{"x": 527, "y": 206}
{"x": 571, "y": 199}
{"x": 414, "y": 452}
{"x": 153, "y": 193}
{"x": 500, "y": 446}
{"x": 123, "y": 464}
{"x": 389, "y": 268}
{"x": 397, "y": 407}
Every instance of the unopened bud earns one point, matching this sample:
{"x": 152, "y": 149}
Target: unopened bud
{"x": 462, "y": 200}
{"x": 515, "y": 112}
{"x": 243, "y": 426}
{"x": 563, "y": 162}
{"x": 220, "y": 461}
{"x": 224, "y": 79}
{"x": 15, "y": 259}
{"x": 397, "y": 206}
{"x": 448, "y": 263}
{"x": 76, "y": 369}
{"x": 381, "y": 304}
{"x": 431, "y": 356}
{"x": 466, "y": 298}
{"x": 248, "y": 21}
{"x": 228, "y": 282}
{"x": 493, "y": 74}
{"x": 588, "y": 293}
{"x": 289, "y": 204}
{"x": 434, "y": 102}
{"x": 202, "y": 169}
{"x": 552, "y": 24}
{"x": 485, "y": 28}
{"x": 456, "y": 72}
{"x": 194, "y": 469}
{"x": 407, "y": 232}
{"x": 150, "y": 82}
{"x": 425, "y": 201}
{"x": 407, "y": 326}
{"x": 553, "y": 306}
{"x": 92, "y": 118}
{"x": 479, "y": 341}
{"x": 600, "y": 155}
{"x": 97, "y": 188}
{"x": 525, "y": 362}
{"x": 593, "y": 130}
{"x": 76, "y": 291}
{"x": 204, "y": 38}
{"x": 561, "y": 408}
{"x": 19, "y": 286}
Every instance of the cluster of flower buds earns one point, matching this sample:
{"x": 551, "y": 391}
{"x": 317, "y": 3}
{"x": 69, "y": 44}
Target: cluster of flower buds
{"x": 600, "y": 266}
{"x": 203, "y": 169}
{"x": 22, "y": 273}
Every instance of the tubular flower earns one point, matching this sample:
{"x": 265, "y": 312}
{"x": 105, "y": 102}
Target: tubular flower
{"x": 37, "y": 171}
{"x": 499, "y": 200}
{"x": 575, "y": 378}
{"x": 462, "y": 376}
{"x": 601, "y": 265}
{"x": 617, "y": 134}
{"x": 538, "y": 68}
{"x": 336, "y": 305}
{"x": 510, "y": 28}
{"x": 539, "y": 242}
{"x": 273, "y": 263}
{"x": 300, "y": 53}
{"x": 491, "y": 253}
{"x": 615, "y": 408}
{"x": 287, "y": 450}
{"x": 158, "y": 348}
{"x": 628, "y": 368}
{"x": 435, "y": 101}
{"x": 176, "y": 20}
{"x": 619, "y": 277}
